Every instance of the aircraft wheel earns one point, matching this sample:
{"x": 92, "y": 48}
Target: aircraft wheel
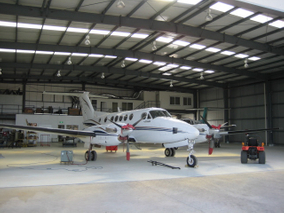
{"x": 94, "y": 155}
{"x": 173, "y": 152}
{"x": 261, "y": 158}
{"x": 191, "y": 161}
{"x": 89, "y": 156}
{"x": 244, "y": 157}
{"x": 168, "y": 152}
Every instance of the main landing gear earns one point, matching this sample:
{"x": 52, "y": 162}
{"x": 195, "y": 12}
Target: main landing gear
{"x": 91, "y": 155}
{"x": 191, "y": 160}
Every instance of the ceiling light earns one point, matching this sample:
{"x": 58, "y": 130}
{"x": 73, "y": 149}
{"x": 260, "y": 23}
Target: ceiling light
{"x": 122, "y": 64}
{"x": 0, "y": 71}
{"x": 77, "y": 30}
{"x": 96, "y": 55}
{"x": 139, "y": 35}
{"x": 80, "y": 54}
{"x": 110, "y": 56}
{"x": 197, "y": 46}
{"x": 54, "y": 28}
{"x": 29, "y": 26}
{"x": 222, "y": 7}
{"x": 173, "y": 65}
{"x": 226, "y": 52}
{"x": 44, "y": 52}
{"x": 201, "y": 76}
{"x": 7, "y": 50}
{"x": 278, "y": 24}
{"x": 171, "y": 84}
{"x": 87, "y": 40}
{"x": 120, "y": 4}
{"x": 145, "y": 61}
{"x": 209, "y": 17}
{"x": 185, "y": 68}
{"x": 26, "y": 51}
{"x": 159, "y": 63}
{"x": 7, "y": 24}
{"x": 131, "y": 59}
{"x": 62, "y": 53}
{"x": 69, "y": 62}
{"x": 100, "y": 32}
{"x": 164, "y": 39}
{"x": 261, "y": 18}
{"x": 58, "y": 73}
{"x": 198, "y": 69}
{"x": 241, "y": 55}
{"x": 103, "y": 76}
{"x": 213, "y": 49}
{"x": 209, "y": 71}
{"x": 193, "y": 2}
{"x": 246, "y": 63}
{"x": 241, "y": 13}
{"x": 165, "y": 68}
{"x": 122, "y": 34}
{"x": 254, "y": 58}
{"x": 181, "y": 43}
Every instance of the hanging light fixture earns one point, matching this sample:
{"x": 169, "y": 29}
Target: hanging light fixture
{"x": 246, "y": 63}
{"x": 58, "y": 73}
{"x": 123, "y": 63}
{"x": 87, "y": 40}
{"x": 171, "y": 84}
{"x": 0, "y": 71}
{"x": 209, "y": 17}
{"x": 69, "y": 62}
{"x": 201, "y": 76}
{"x": 154, "y": 47}
{"x": 103, "y": 76}
{"x": 120, "y": 4}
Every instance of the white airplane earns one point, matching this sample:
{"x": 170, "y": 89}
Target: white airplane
{"x": 150, "y": 125}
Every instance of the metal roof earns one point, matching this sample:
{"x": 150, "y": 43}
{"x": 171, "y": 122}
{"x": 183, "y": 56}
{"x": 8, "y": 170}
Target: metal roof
{"x": 139, "y": 44}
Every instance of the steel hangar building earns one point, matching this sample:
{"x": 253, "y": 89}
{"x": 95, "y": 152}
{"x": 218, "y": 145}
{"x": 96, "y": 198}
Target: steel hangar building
{"x": 220, "y": 60}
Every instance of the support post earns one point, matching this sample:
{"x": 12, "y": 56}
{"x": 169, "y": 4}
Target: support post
{"x": 226, "y": 108}
{"x": 268, "y": 111}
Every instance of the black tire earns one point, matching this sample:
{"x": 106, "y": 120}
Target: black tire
{"x": 219, "y": 144}
{"x": 244, "y": 157}
{"x": 173, "y": 152}
{"x": 191, "y": 161}
{"x": 94, "y": 155}
{"x": 168, "y": 152}
{"x": 261, "y": 159}
{"x": 89, "y": 156}
{"x": 216, "y": 144}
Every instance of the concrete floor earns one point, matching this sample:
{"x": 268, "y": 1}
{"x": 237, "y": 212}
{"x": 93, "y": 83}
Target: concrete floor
{"x": 33, "y": 180}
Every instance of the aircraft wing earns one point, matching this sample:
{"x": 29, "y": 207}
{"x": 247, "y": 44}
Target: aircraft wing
{"x": 245, "y": 131}
{"x": 67, "y": 132}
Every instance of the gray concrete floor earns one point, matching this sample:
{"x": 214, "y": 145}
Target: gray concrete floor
{"x": 33, "y": 180}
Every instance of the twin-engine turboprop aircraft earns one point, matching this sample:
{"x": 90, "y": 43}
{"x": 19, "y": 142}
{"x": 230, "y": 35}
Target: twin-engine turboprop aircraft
{"x": 150, "y": 125}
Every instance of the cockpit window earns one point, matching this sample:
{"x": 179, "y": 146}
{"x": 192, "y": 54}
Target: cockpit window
{"x": 144, "y": 115}
{"x": 159, "y": 113}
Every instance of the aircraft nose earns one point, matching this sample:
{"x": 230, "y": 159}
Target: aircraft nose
{"x": 195, "y": 132}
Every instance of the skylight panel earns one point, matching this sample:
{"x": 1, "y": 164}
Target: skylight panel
{"x": 209, "y": 71}
{"x": 159, "y": 63}
{"x": 222, "y": 7}
{"x": 26, "y": 51}
{"x": 7, "y": 50}
{"x": 164, "y": 39}
{"x": 110, "y": 56}
{"x": 166, "y": 73}
{"x": 198, "y": 69}
{"x": 100, "y": 32}
{"x": 145, "y": 61}
{"x": 80, "y": 54}
{"x": 122, "y": 34}
{"x": 227, "y": 52}
{"x": 96, "y": 55}
{"x": 197, "y": 46}
{"x": 213, "y": 49}
{"x": 131, "y": 59}
{"x": 242, "y": 13}
{"x": 278, "y": 24}
{"x": 77, "y": 30}
{"x": 261, "y": 18}
{"x": 62, "y": 53}
{"x": 192, "y": 2}
{"x": 181, "y": 43}
{"x": 173, "y": 65}
{"x": 254, "y": 58}
{"x": 30, "y": 26}
{"x": 241, "y": 55}
{"x": 164, "y": 68}
{"x": 139, "y": 35}
{"x": 54, "y": 28}
{"x": 7, "y": 24}
{"x": 44, "y": 52}
{"x": 185, "y": 68}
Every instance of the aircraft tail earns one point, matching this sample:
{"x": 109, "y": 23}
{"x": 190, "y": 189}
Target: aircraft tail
{"x": 88, "y": 112}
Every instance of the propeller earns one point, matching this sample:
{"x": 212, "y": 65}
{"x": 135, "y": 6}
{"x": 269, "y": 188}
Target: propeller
{"x": 210, "y": 137}
{"x": 125, "y": 132}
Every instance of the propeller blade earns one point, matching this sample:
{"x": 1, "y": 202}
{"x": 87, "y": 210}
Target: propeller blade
{"x": 206, "y": 122}
{"x": 138, "y": 121}
{"x": 210, "y": 143}
{"x": 115, "y": 123}
{"x": 127, "y": 151}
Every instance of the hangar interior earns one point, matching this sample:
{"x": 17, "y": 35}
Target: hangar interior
{"x": 181, "y": 55}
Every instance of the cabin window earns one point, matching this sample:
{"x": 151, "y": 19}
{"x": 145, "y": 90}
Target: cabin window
{"x": 116, "y": 118}
{"x": 130, "y": 117}
{"x": 125, "y": 117}
{"x": 105, "y": 119}
{"x": 100, "y": 120}
{"x": 111, "y": 118}
{"x": 120, "y": 118}
{"x": 144, "y": 115}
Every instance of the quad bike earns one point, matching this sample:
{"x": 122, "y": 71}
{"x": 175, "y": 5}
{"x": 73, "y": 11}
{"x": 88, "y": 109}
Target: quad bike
{"x": 252, "y": 150}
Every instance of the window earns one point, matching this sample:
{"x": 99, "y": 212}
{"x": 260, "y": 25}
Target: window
{"x": 174, "y": 100}
{"x": 120, "y": 118}
{"x": 144, "y": 115}
{"x": 114, "y": 106}
{"x": 111, "y": 118}
{"x": 105, "y": 119}
{"x": 130, "y": 117}
{"x": 127, "y": 106}
{"x": 186, "y": 101}
{"x": 125, "y": 117}
{"x": 116, "y": 118}
{"x": 159, "y": 113}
